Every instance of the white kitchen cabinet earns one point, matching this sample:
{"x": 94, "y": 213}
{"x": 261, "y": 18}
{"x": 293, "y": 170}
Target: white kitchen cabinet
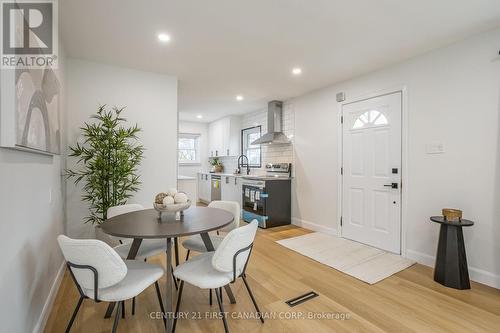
{"x": 231, "y": 189}
{"x": 189, "y": 186}
{"x": 203, "y": 190}
{"x": 215, "y": 138}
{"x": 224, "y": 137}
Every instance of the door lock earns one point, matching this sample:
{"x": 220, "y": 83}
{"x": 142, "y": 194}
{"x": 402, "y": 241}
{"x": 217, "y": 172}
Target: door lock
{"x": 392, "y": 185}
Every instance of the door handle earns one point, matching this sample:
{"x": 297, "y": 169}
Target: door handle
{"x": 392, "y": 185}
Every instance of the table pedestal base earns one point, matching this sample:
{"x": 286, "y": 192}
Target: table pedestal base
{"x": 451, "y": 262}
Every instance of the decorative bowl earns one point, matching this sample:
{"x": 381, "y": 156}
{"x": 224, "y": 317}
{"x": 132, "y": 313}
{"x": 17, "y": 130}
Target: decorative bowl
{"x": 451, "y": 214}
{"x": 174, "y": 208}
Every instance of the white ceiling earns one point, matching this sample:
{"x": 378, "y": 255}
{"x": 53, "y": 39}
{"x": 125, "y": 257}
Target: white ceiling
{"x": 221, "y": 48}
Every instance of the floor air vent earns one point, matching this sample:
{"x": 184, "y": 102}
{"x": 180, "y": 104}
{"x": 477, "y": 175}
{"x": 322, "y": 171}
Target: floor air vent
{"x": 301, "y": 299}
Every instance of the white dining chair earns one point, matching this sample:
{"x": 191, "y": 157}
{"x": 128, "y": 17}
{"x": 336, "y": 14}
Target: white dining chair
{"x": 101, "y": 275}
{"x": 119, "y": 210}
{"x": 148, "y": 248}
{"x": 195, "y": 243}
{"x": 214, "y": 270}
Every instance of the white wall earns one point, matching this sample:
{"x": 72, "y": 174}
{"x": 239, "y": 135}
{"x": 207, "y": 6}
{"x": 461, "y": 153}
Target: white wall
{"x": 31, "y": 217}
{"x": 151, "y": 102}
{"x": 195, "y": 128}
{"x": 453, "y": 97}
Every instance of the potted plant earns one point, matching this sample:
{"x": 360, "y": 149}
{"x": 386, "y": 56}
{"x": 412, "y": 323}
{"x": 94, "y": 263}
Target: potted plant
{"x": 216, "y": 164}
{"x": 107, "y": 162}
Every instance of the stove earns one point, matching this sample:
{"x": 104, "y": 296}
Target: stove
{"x": 267, "y": 198}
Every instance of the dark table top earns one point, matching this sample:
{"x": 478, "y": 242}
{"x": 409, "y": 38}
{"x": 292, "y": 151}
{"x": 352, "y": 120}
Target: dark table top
{"x": 461, "y": 223}
{"x": 145, "y": 223}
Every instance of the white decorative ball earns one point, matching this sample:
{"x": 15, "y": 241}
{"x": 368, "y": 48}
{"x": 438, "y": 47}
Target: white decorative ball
{"x": 168, "y": 200}
{"x": 172, "y": 192}
{"x": 180, "y": 198}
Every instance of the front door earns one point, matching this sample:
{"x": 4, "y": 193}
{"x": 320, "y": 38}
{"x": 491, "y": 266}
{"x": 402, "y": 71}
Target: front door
{"x": 371, "y": 195}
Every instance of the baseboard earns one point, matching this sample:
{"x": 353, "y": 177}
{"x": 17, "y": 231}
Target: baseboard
{"x": 475, "y": 274}
{"x": 49, "y": 302}
{"x": 314, "y": 226}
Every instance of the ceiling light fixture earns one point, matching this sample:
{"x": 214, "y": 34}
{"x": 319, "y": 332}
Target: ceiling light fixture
{"x": 163, "y": 37}
{"x": 297, "y": 71}
{"x": 239, "y": 98}
{"x": 199, "y": 116}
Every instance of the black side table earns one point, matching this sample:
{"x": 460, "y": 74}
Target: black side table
{"x": 451, "y": 262}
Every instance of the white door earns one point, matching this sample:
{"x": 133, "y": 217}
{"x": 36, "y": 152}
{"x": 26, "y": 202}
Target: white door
{"x": 371, "y": 198}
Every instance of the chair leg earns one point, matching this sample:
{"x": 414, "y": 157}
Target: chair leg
{"x": 133, "y": 306}
{"x": 187, "y": 255}
{"x": 210, "y": 297}
{"x": 178, "y": 305}
{"x": 218, "y": 295}
{"x": 117, "y": 317}
{"x": 123, "y": 309}
{"x": 243, "y": 276}
{"x": 158, "y": 293}
{"x": 75, "y": 312}
{"x": 176, "y": 251}
{"x": 173, "y": 278}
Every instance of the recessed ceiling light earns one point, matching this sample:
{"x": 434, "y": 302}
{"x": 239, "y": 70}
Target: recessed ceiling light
{"x": 297, "y": 71}
{"x": 164, "y": 38}
{"x": 199, "y": 116}
{"x": 239, "y": 98}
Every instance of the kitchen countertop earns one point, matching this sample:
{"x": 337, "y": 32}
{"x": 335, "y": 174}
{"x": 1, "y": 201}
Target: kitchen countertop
{"x": 250, "y": 177}
{"x": 186, "y": 178}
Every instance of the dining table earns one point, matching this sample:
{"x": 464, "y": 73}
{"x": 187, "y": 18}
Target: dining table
{"x": 149, "y": 224}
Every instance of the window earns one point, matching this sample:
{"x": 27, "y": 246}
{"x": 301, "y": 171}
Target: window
{"x": 188, "y": 148}
{"x": 370, "y": 119}
{"x": 249, "y": 135}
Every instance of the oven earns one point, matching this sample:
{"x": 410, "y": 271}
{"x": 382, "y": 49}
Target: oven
{"x": 267, "y": 201}
{"x": 254, "y": 201}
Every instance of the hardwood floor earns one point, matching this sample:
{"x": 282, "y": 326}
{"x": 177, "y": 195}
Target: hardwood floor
{"x": 409, "y": 301}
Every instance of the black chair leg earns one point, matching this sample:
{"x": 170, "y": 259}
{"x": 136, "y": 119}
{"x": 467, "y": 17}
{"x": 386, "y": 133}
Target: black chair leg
{"x": 210, "y": 297}
{"x": 133, "y": 306}
{"x": 123, "y": 309}
{"x": 218, "y": 295}
{"x": 117, "y": 317}
{"x": 75, "y": 312}
{"x": 158, "y": 293}
{"x": 178, "y": 305}
{"x": 176, "y": 251}
{"x": 187, "y": 255}
{"x": 243, "y": 276}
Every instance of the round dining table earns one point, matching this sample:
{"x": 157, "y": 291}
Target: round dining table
{"x": 146, "y": 224}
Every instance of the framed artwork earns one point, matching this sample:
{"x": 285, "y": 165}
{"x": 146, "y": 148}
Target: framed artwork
{"x": 30, "y": 110}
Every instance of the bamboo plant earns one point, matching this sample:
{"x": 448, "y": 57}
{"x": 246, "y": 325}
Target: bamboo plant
{"x": 108, "y": 161}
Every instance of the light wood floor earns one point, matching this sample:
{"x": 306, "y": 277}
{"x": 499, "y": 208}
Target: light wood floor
{"x": 409, "y": 301}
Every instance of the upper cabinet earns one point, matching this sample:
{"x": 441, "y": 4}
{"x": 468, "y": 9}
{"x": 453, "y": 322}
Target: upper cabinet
{"x": 224, "y": 137}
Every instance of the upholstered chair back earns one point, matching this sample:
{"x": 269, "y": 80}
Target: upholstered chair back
{"x": 123, "y": 209}
{"x": 235, "y": 240}
{"x": 232, "y": 207}
{"x": 92, "y": 252}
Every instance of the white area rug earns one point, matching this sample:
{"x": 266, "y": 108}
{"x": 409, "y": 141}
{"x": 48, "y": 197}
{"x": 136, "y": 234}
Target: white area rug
{"x": 361, "y": 261}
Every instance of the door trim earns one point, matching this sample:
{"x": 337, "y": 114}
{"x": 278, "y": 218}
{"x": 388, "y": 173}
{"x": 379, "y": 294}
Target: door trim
{"x": 404, "y": 155}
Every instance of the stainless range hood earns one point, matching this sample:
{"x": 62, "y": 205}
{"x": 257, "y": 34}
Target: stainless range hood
{"x": 274, "y": 133}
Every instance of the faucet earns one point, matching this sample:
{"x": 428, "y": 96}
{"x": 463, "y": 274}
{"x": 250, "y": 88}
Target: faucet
{"x": 241, "y": 164}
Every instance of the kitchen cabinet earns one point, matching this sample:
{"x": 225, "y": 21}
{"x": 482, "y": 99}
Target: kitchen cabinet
{"x": 224, "y": 137}
{"x": 189, "y": 186}
{"x": 231, "y": 189}
{"x": 203, "y": 189}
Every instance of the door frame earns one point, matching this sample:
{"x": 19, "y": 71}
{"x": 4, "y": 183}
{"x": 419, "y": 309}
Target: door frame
{"x": 404, "y": 156}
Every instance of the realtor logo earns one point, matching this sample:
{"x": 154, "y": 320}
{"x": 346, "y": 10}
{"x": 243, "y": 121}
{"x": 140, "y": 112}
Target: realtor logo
{"x": 29, "y": 34}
